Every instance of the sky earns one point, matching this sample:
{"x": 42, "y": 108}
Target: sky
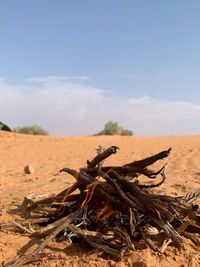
{"x": 70, "y": 66}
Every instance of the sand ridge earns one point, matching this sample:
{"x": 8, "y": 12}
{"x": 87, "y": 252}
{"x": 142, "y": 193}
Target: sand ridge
{"x": 49, "y": 154}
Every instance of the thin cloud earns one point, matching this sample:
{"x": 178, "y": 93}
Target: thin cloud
{"x": 49, "y": 79}
{"x": 71, "y": 107}
{"x": 168, "y": 110}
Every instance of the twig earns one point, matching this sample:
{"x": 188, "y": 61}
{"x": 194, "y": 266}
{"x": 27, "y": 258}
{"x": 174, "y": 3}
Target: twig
{"x": 93, "y": 243}
{"x": 148, "y": 241}
{"x": 132, "y": 221}
{"x": 26, "y": 230}
{"x": 123, "y": 170}
{"x": 195, "y": 240}
{"x": 150, "y": 160}
{"x": 29, "y": 257}
{"x": 105, "y": 154}
{"x": 165, "y": 243}
{"x": 162, "y": 173}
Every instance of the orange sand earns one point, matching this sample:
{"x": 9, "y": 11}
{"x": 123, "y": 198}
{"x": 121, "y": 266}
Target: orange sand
{"x": 49, "y": 154}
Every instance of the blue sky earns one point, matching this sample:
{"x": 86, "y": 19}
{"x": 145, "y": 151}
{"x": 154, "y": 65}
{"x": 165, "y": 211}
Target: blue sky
{"x": 82, "y": 63}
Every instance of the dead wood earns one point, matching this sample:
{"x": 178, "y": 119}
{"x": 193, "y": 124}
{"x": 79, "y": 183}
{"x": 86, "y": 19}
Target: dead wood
{"x": 112, "y": 212}
{"x": 101, "y": 156}
{"x": 124, "y": 171}
{"x": 150, "y": 160}
{"x": 30, "y": 257}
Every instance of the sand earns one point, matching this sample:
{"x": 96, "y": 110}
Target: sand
{"x": 49, "y": 154}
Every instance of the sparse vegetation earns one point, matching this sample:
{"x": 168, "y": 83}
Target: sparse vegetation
{"x": 112, "y": 128}
{"x": 34, "y": 129}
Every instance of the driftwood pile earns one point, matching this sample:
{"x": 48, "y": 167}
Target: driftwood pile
{"x": 108, "y": 208}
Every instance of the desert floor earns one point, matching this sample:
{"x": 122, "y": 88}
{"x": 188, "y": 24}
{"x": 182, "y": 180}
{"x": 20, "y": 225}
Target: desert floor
{"x": 50, "y": 154}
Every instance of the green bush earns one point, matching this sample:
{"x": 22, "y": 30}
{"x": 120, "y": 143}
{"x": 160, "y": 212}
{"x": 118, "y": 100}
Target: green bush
{"x": 35, "y": 129}
{"x": 112, "y": 128}
{"x": 127, "y": 132}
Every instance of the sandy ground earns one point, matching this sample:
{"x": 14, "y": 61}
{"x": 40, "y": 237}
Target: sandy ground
{"x": 49, "y": 154}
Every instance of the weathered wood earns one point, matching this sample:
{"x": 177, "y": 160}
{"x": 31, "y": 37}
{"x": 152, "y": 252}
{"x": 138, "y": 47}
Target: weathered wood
{"x": 110, "y": 213}
{"x": 105, "y": 154}
{"x": 149, "y": 160}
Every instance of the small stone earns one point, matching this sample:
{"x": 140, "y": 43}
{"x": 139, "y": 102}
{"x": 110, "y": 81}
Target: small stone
{"x": 29, "y": 169}
{"x": 53, "y": 180}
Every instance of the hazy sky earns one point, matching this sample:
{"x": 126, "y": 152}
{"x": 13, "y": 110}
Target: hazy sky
{"x": 72, "y": 65}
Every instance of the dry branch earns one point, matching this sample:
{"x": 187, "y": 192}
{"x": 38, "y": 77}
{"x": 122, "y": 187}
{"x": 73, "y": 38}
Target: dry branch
{"x": 111, "y": 214}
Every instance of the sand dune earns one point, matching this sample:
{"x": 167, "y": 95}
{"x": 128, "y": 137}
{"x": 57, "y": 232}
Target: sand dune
{"x": 49, "y": 154}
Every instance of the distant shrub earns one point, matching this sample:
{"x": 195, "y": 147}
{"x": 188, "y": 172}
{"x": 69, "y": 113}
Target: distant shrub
{"x": 35, "y": 129}
{"x": 127, "y": 132}
{"x": 112, "y": 128}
